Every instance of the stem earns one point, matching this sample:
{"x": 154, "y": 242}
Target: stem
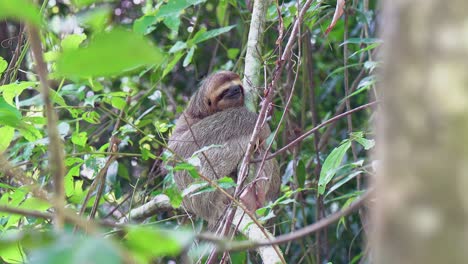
{"x": 57, "y": 167}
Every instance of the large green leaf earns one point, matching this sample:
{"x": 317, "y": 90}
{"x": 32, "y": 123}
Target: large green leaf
{"x": 83, "y": 3}
{"x": 331, "y": 164}
{"x": 6, "y": 138}
{"x": 171, "y": 10}
{"x": 203, "y": 35}
{"x": 109, "y": 54}
{"x": 141, "y": 240}
{"x": 23, "y": 10}
{"x": 76, "y": 249}
{"x": 9, "y": 116}
{"x": 10, "y": 91}
{"x": 3, "y": 65}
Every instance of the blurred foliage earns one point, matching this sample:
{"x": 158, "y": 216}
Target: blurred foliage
{"x": 138, "y": 62}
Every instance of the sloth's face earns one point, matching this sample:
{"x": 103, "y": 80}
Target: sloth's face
{"x": 225, "y": 92}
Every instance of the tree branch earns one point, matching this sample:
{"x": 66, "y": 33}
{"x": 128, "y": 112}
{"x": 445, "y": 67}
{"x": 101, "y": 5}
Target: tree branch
{"x": 56, "y": 163}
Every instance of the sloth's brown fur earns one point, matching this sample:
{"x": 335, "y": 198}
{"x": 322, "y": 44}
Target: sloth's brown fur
{"x": 216, "y": 116}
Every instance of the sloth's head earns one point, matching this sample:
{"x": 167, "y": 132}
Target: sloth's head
{"x": 219, "y": 91}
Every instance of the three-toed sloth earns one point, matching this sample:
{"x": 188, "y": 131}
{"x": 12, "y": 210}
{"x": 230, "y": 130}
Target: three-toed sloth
{"x": 216, "y": 116}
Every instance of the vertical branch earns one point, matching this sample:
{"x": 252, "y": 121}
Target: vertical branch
{"x": 346, "y": 82}
{"x": 253, "y": 57}
{"x": 56, "y": 165}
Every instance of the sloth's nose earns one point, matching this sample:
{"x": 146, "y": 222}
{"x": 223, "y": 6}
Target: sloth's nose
{"x": 234, "y": 91}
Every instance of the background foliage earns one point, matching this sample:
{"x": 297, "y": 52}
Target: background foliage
{"x": 124, "y": 70}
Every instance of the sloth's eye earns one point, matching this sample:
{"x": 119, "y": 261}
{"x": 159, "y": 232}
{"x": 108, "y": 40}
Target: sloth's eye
{"x": 209, "y": 102}
{"x": 224, "y": 93}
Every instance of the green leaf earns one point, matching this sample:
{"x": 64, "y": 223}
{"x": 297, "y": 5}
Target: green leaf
{"x": 179, "y": 45}
{"x": 83, "y": 3}
{"x": 343, "y": 181}
{"x": 175, "y": 197}
{"x": 171, "y": 10}
{"x": 79, "y": 138}
{"x": 7, "y": 136}
{"x": 189, "y": 56}
{"x": 203, "y": 35}
{"x": 97, "y": 19}
{"x": 172, "y": 63}
{"x": 226, "y": 183}
{"x": 9, "y": 116}
{"x": 9, "y": 91}
{"x": 232, "y": 53}
{"x": 109, "y": 54}
{"x": 37, "y": 204}
{"x": 118, "y": 102}
{"x": 361, "y": 41}
{"x": 76, "y": 249}
{"x": 367, "y": 48}
{"x": 72, "y": 42}
{"x": 221, "y": 11}
{"x": 301, "y": 174}
{"x": 145, "y": 24}
{"x": 174, "y": 7}
{"x": 23, "y": 10}
{"x": 366, "y": 143}
{"x": 69, "y": 183}
{"x": 141, "y": 241}
{"x": 190, "y": 168}
{"x": 204, "y": 187}
{"x": 173, "y": 23}
{"x": 30, "y": 132}
{"x": 331, "y": 164}
{"x": 3, "y": 65}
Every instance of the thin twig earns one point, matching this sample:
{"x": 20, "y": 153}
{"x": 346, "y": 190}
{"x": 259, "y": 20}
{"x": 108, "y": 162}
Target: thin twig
{"x": 313, "y": 130}
{"x": 300, "y": 233}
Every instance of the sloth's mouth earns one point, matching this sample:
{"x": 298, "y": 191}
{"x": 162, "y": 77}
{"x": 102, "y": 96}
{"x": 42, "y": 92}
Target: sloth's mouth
{"x": 233, "y": 91}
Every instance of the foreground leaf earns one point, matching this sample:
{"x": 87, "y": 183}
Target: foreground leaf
{"x": 23, "y": 10}
{"x": 109, "y": 54}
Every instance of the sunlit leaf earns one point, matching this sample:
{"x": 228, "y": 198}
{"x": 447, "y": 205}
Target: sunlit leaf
{"x": 175, "y": 196}
{"x": 232, "y": 53}
{"x": 173, "y": 23}
{"x": 76, "y": 249}
{"x": 23, "y": 10}
{"x": 203, "y": 35}
{"x": 3, "y": 65}
{"x": 9, "y": 91}
{"x": 172, "y": 9}
{"x": 96, "y": 18}
{"x": 79, "y": 138}
{"x": 179, "y": 45}
{"x": 366, "y": 143}
{"x": 109, "y": 54}
{"x": 9, "y": 116}
{"x": 190, "y": 168}
{"x": 189, "y": 56}
{"x": 141, "y": 240}
{"x": 68, "y": 180}
{"x": 71, "y": 42}
{"x": 6, "y": 138}
{"x": 83, "y": 3}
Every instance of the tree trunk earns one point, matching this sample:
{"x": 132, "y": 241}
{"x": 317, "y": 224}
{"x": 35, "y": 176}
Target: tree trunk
{"x": 421, "y": 210}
